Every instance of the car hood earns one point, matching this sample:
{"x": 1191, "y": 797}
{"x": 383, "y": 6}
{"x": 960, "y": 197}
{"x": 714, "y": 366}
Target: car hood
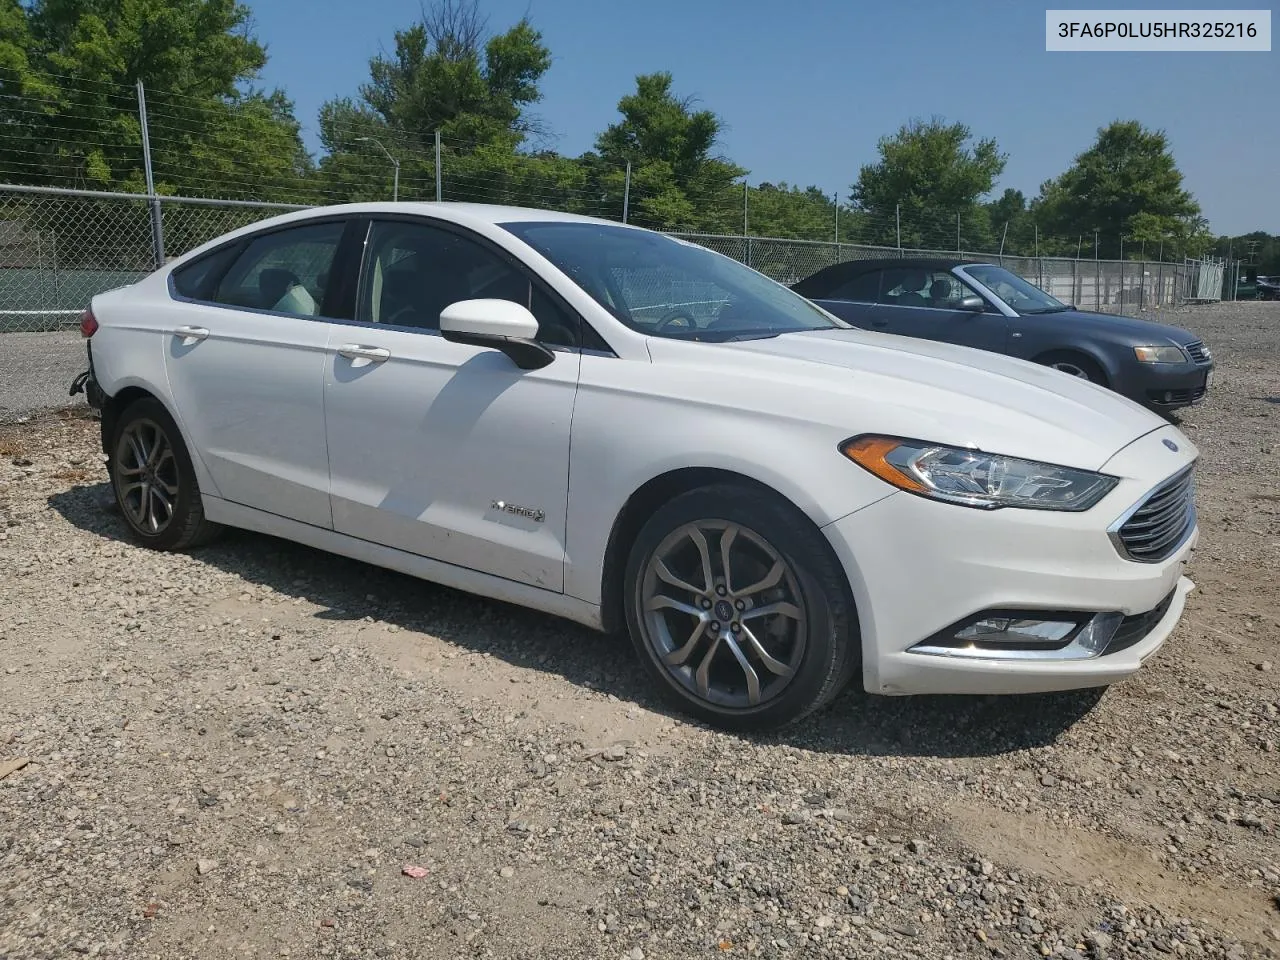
{"x": 874, "y": 382}
{"x": 1138, "y": 331}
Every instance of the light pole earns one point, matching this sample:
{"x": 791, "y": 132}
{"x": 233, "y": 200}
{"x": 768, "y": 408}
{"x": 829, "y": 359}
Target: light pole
{"x": 395, "y": 189}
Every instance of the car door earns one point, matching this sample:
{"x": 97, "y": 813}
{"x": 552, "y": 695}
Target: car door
{"x": 925, "y": 303}
{"x": 443, "y": 449}
{"x": 245, "y": 355}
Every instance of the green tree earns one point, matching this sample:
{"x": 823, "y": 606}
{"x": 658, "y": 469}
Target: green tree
{"x": 929, "y": 172}
{"x": 197, "y": 59}
{"x": 443, "y": 75}
{"x": 1127, "y": 187}
{"x": 677, "y": 180}
{"x": 781, "y": 210}
{"x": 1259, "y": 251}
{"x": 1011, "y": 209}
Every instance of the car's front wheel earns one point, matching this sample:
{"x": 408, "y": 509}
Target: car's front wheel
{"x": 154, "y": 482}
{"x": 1076, "y": 365}
{"x": 739, "y": 609}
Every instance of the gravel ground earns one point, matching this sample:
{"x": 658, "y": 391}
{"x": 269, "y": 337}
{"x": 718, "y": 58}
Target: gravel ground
{"x": 36, "y": 370}
{"x": 237, "y": 753}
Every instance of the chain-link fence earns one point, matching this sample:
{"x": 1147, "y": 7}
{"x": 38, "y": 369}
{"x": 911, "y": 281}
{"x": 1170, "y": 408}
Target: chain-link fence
{"x": 60, "y": 247}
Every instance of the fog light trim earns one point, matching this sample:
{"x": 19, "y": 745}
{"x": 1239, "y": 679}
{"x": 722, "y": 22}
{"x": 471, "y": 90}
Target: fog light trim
{"x": 1024, "y": 635}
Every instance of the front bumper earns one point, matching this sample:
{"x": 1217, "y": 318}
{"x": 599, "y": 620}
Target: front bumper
{"x": 917, "y": 566}
{"x": 1167, "y": 386}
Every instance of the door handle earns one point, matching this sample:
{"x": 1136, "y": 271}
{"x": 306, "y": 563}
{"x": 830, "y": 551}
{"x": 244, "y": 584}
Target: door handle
{"x": 191, "y": 333}
{"x": 879, "y": 324}
{"x": 353, "y": 351}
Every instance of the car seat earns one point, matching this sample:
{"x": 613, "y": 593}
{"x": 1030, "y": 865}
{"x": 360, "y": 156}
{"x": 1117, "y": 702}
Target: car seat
{"x": 274, "y": 283}
{"x": 940, "y": 292}
{"x": 911, "y": 284}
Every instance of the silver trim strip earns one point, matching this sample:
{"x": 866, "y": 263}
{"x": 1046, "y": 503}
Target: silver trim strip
{"x": 1088, "y": 644}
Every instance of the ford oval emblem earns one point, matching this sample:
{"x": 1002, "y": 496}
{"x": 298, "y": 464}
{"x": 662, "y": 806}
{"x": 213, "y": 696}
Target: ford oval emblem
{"x": 1171, "y": 445}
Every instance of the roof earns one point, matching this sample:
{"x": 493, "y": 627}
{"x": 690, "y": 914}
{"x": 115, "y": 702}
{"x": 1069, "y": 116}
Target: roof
{"x": 467, "y": 214}
{"x": 487, "y": 212}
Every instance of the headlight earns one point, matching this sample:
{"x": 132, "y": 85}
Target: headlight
{"x": 1160, "y": 354}
{"x": 976, "y": 479}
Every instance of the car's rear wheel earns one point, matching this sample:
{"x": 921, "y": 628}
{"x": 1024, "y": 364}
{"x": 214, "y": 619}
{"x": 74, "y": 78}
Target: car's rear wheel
{"x": 738, "y": 608}
{"x": 154, "y": 482}
{"x": 1076, "y": 365}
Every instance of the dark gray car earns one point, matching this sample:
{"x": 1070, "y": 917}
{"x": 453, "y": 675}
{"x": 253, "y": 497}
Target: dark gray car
{"x": 983, "y": 305}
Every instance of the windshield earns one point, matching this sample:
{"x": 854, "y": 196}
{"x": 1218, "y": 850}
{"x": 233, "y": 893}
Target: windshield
{"x": 665, "y": 287}
{"x": 1023, "y": 297}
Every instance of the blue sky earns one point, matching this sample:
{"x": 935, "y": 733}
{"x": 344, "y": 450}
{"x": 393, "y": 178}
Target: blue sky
{"x": 807, "y": 88}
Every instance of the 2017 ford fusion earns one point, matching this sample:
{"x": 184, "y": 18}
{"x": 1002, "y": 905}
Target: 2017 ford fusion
{"x": 628, "y": 430}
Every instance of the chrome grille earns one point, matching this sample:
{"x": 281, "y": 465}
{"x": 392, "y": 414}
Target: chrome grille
{"x": 1159, "y": 525}
{"x": 1197, "y": 351}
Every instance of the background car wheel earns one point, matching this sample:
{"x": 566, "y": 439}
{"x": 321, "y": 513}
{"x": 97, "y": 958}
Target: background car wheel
{"x": 1077, "y": 365}
{"x": 153, "y": 480}
{"x": 739, "y": 609}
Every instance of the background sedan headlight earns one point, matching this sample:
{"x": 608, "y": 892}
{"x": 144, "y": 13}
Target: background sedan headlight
{"x": 976, "y": 479}
{"x": 1160, "y": 354}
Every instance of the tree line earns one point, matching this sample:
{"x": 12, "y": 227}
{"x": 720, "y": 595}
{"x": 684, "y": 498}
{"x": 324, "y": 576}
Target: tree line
{"x": 69, "y": 117}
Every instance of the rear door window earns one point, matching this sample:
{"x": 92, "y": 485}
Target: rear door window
{"x": 285, "y": 271}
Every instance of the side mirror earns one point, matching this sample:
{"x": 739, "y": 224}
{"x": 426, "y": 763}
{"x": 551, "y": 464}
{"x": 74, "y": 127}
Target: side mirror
{"x": 500, "y": 325}
{"x": 974, "y": 304}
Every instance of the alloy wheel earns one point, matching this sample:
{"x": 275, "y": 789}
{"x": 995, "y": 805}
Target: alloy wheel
{"x": 146, "y": 476}
{"x": 722, "y": 611}
{"x": 1066, "y": 366}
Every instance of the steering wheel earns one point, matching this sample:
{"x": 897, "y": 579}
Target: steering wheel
{"x": 678, "y": 317}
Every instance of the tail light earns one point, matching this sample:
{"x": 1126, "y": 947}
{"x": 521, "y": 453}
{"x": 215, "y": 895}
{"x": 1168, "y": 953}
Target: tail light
{"x": 88, "y": 324}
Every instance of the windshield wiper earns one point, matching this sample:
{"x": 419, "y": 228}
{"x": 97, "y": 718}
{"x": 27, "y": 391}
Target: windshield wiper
{"x": 736, "y": 337}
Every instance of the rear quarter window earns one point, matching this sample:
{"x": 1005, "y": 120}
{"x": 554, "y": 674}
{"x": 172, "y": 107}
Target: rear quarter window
{"x": 197, "y": 280}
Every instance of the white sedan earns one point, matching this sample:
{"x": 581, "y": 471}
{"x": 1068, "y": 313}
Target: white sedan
{"x": 631, "y": 431}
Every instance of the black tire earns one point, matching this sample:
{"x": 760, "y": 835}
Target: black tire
{"x": 1069, "y": 362}
{"x": 173, "y": 477}
{"x": 826, "y": 635}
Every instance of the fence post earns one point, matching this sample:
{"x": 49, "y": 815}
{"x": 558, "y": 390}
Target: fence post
{"x": 744, "y": 217}
{"x": 1097, "y": 283}
{"x": 1142, "y": 289}
{"x": 626, "y": 194}
{"x": 1161, "y": 256}
{"x": 53, "y": 242}
{"x": 153, "y": 201}
{"x": 897, "y": 217}
{"x": 1122, "y": 277}
{"x": 958, "y": 253}
{"x": 439, "y": 180}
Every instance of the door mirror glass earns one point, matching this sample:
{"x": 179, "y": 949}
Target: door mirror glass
{"x": 499, "y": 324}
